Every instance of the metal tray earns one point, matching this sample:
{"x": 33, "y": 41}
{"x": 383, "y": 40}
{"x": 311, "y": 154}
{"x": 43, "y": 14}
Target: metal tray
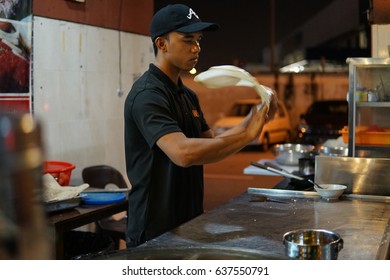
{"x": 312, "y": 194}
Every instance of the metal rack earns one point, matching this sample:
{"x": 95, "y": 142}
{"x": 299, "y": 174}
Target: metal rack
{"x": 369, "y": 103}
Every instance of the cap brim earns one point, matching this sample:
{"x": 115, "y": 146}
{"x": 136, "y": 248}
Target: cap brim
{"x": 198, "y": 26}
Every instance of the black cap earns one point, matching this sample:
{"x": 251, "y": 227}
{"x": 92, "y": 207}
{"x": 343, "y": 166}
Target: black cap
{"x": 180, "y": 18}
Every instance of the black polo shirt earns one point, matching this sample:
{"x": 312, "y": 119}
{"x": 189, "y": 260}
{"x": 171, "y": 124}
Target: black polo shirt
{"x": 163, "y": 194}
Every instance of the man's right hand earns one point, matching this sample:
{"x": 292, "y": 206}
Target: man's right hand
{"x": 256, "y": 121}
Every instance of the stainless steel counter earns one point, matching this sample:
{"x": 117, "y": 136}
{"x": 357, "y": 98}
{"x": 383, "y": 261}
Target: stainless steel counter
{"x": 239, "y": 223}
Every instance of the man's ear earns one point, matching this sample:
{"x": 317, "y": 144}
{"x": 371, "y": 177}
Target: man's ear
{"x": 160, "y": 43}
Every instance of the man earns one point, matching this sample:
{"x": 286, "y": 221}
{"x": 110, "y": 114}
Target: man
{"x": 167, "y": 139}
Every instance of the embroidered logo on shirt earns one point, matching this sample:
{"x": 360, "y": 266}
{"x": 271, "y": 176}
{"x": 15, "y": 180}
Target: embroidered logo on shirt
{"x": 190, "y": 13}
{"x": 195, "y": 113}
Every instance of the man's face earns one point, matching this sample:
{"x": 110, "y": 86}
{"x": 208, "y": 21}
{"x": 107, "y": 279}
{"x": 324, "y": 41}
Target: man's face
{"x": 182, "y": 49}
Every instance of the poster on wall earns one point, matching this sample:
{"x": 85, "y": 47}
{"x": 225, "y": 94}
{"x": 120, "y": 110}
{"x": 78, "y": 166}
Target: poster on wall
{"x": 15, "y": 55}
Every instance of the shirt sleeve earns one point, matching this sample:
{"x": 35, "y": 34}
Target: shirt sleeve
{"x": 153, "y": 116}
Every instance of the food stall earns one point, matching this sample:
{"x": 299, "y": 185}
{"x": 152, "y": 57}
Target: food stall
{"x": 360, "y": 216}
{"x": 247, "y": 225}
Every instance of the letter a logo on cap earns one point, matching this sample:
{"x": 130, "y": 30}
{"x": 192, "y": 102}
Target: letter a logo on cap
{"x": 190, "y": 13}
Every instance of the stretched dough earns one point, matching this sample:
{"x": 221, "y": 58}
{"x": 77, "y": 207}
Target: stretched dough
{"x": 229, "y": 75}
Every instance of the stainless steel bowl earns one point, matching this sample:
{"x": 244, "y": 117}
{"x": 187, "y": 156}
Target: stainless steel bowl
{"x": 312, "y": 244}
{"x": 289, "y": 154}
{"x": 333, "y": 151}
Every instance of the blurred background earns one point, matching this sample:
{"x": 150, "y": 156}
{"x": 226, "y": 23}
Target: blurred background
{"x": 260, "y": 35}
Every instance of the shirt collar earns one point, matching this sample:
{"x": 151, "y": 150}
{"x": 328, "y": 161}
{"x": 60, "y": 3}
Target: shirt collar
{"x": 177, "y": 88}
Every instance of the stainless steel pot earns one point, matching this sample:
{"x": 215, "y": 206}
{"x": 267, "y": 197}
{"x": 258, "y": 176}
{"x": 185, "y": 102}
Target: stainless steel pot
{"x": 312, "y": 244}
{"x": 289, "y": 154}
{"x": 306, "y": 166}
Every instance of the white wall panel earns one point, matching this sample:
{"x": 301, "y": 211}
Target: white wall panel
{"x": 380, "y": 40}
{"x": 76, "y": 75}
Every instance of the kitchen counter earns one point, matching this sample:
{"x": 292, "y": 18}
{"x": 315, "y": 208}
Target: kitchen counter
{"x": 239, "y": 223}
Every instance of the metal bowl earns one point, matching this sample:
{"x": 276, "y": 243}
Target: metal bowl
{"x": 312, "y": 244}
{"x": 333, "y": 151}
{"x": 289, "y": 154}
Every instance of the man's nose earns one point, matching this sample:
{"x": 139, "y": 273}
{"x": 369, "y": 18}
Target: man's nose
{"x": 196, "y": 47}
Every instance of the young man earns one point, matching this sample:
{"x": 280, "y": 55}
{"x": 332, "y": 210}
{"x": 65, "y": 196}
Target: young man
{"x": 167, "y": 139}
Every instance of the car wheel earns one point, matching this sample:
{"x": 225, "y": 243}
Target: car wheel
{"x": 265, "y": 144}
